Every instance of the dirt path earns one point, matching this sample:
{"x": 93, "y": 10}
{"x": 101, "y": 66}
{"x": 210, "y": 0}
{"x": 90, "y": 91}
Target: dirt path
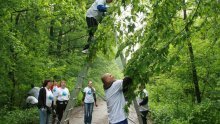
{"x": 100, "y": 115}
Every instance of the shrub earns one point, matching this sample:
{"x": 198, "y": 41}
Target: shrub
{"x": 18, "y": 116}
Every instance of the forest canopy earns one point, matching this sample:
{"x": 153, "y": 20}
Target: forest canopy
{"x": 171, "y": 46}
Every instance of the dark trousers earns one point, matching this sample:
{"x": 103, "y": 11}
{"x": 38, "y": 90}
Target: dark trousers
{"x": 144, "y": 116}
{"x": 61, "y": 106}
{"x": 123, "y": 122}
{"x": 88, "y": 109}
{"x": 92, "y": 24}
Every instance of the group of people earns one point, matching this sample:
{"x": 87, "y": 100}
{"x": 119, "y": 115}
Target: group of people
{"x": 113, "y": 88}
{"x": 51, "y": 99}
{"x": 114, "y": 94}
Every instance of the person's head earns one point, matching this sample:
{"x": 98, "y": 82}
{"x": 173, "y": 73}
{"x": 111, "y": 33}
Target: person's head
{"x": 32, "y": 85}
{"x": 47, "y": 83}
{"x": 63, "y": 84}
{"x": 107, "y": 79}
{"x": 127, "y": 80}
{"x": 54, "y": 82}
{"x": 109, "y": 1}
{"x": 90, "y": 84}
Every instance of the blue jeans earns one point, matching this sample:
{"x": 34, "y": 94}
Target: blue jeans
{"x": 44, "y": 116}
{"x": 123, "y": 122}
{"x": 88, "y": 109}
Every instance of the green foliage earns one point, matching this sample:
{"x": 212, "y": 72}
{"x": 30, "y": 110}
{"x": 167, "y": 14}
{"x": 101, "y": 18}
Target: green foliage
{"x": 43, "y": 39}
{"x": 18, "y": 116}
{"x": 205, "y": 113}
{"x": 172, "y": 103}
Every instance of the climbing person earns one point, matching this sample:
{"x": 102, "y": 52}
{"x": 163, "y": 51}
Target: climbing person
{"x": 115, "y": 98}
{"x": 142, "y": 99}
{"x": 62, "y": 99}
{"x": 93, "y": 18}
{"x": 34, "y": 91}
{"x": 89, "y": 97}
{"x": 45, "y": 101}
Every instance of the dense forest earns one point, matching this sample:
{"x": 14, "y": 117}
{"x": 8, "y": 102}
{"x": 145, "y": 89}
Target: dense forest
{"x": 172, "y": 46}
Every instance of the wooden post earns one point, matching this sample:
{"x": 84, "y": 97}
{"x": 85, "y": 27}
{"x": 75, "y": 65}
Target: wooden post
{"x": 73, "y": 96}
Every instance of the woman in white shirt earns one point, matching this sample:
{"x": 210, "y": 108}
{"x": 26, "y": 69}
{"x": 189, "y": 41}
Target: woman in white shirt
{"x": 88, "y": 99}
{"x": 62, "y": 99}
{"x": 45, "y": 100}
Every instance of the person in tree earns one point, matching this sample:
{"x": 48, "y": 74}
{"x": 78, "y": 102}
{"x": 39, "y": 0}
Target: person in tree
{"x": 93, "y": 18}
{"x": 89, "y": 97}
{"x": 63, "y": 96}
{"x": 115, "y": 98}
{"x": 45, "y": 101}
{"x": 142, "y": 99}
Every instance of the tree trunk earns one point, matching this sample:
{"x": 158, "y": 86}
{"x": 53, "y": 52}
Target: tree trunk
{"x": 192, "y": 60}
{"x": 51, "y": 37}
{"x": 59, "y": 43}
{"x": 11, "y": 73}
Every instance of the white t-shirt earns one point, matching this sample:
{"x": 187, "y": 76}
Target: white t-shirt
{"x": 34, "y": 92}
{"x": 32, "y": 100}
{"x": 49, "y": 97}
{"x": 140, "y": 97}
{"x": 115, "y": 102}
{"x": 63, "y": 94}
{"x": 55, "y": 91}
{"x": 89, "y": 98}
{"x": 93, "y": 11}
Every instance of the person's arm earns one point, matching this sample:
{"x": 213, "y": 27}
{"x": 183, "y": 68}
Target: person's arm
{"x": 126, "y": 82}
{"x": 102, "y": 8}
{"x": 83, "y": 98}
{"x": 42, "y": 98}
{"x": 68, "y": 93}
{"x": 94, "y": 95}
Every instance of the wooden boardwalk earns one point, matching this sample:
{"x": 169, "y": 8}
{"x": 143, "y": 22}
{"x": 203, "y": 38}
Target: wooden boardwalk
{"x": 100, "y": 115}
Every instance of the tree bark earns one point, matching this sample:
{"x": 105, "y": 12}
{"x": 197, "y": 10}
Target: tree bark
{"x": 51, "y": 37}
{"x": 192, "y": 60}
{"x": 59, "y": 43}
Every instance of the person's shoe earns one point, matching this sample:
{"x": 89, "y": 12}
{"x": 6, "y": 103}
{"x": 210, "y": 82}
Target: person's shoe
{"x": 85, "y": 51}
